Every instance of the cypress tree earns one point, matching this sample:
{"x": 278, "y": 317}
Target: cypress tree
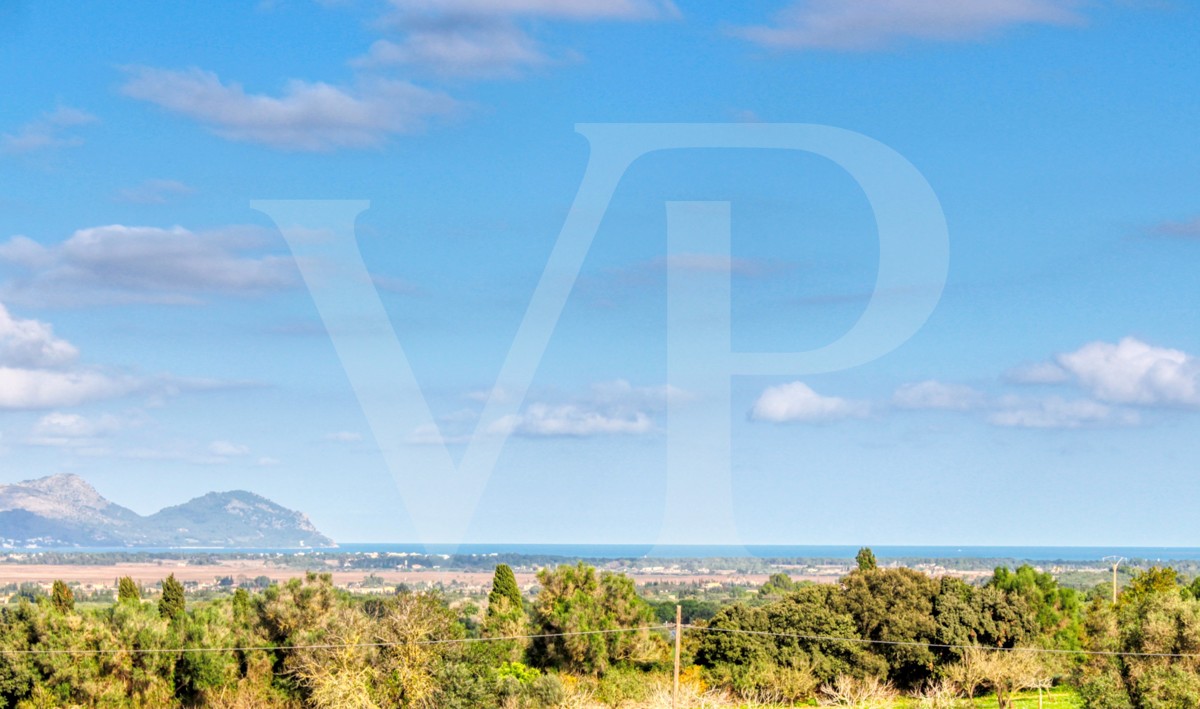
{"x": 504, "y": 585}
{"x": 127, "y": 591}
{"x": 505, "y": 615}
{"x": 62, "y": 597}
{"x": 171, "y": 605}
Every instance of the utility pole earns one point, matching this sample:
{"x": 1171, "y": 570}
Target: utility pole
{"x": 1115, "y": 561}
{"x": 678, "y": 632}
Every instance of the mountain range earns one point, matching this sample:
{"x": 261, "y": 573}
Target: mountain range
{"x": 65, "y": 511}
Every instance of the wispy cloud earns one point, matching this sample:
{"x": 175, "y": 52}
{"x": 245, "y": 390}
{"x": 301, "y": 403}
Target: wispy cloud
{"x": 344, "y": 437}
{"x": 486, "y": 51}
{"x": 65, "y": 430}
{"x": 305, "y": 116}
{"x": 573, "y": 420}
{"x": 796, "y": 402}
{"x": 48, "y": 131}
{"x": 489, "y": 38}
{"x": 933, "y": 394}
{"x": 119, "y": 264}
{"x": 867, "y": 25}
{"x": 154, "y": 192}
{"x": 1056, "y": 412}
{"x": 1186, "y": 229}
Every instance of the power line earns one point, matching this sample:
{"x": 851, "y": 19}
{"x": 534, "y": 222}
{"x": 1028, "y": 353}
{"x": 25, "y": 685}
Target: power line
{"x": 313, "y": 646}
{"x": 945, "y": 646}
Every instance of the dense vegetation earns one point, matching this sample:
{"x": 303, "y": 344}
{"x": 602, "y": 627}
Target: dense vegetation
{"x": 589, "y": 639}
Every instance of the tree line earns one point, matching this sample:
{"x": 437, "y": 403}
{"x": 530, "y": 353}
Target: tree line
{"x": 586, "y": 634}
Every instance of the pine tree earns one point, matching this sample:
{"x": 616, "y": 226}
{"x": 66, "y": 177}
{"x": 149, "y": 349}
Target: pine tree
{"x": 127, "y": 591}
{"x": 171, "y": 605}
{"x": 866, "y": 559}
{"x": 62, "y": 598}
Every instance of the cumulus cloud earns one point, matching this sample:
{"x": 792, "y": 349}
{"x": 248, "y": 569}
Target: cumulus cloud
{"x": 118, "y": 263}
{"x": 39, "y": 370}
{"x": 1055, "y": 412}
{"x": 306, "y": 116}
{"x": 1133, "y": 372}
{"x": 154, "y": 192}
{"x": 797, "y": 402}
{"x": 50, "y": 130}
{"x": 933, "y": 394}
{"x": 868, "y": 25}
{"x": 32, "y": 344}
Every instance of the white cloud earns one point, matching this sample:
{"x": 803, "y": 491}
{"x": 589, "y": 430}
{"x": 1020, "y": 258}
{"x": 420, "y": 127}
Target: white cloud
{"x": 607, "y": 408}
{"x": 576, "y": 10}
{"x": 40, "y": 371}
{"x": 155, "y": 192}
{"x": 571, "y": 420}
{"x": 65, "y": 425}
{"x": 48, "y": 389}
{"x": 933, "y": 394}
{"x": 1055, "y": 412}
{"x": 50, "y": 130}
{"x": 485, "y": 38}
{"x": 306, "y": 116}
{"x": 120, "y": 263}
{"x": 797, "y": 402}
{"x": 866, "y": 25}
{"x": 63, "y": 429}
{"x": 268, "y": 462}
{"x": 225, "y": 449}
{"x": 1133, "y": 372}
{"x": 1038, "y": 373}
{"x": 344, "y": 437}
{"x": 480, "y": 51}
{"x": 32, "y": 344}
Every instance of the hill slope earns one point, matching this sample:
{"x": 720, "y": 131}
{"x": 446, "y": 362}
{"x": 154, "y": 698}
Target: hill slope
{"x": 64, "y": 510}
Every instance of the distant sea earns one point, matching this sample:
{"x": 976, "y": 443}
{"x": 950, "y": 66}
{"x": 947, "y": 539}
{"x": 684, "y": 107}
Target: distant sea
{"x": 634, "y": 551}
{"x": 626, "y": 551}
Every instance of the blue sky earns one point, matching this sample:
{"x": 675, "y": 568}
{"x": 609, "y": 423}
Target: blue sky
{"x": 157, "y": 337}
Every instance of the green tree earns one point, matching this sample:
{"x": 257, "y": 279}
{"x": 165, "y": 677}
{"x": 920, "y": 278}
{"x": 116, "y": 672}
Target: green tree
{"x": 172, "y": 604}
{"x": 504, "y": 588}
{"x": 777, "y": 585}
{"x": 1152, "y": 581}
{"x": 895, "y": 606}
{"x": 505, "y": 616}
{"x": 866, "y": 559}
{"x": 574, "y": 601}
{"x": 127, "y": 591}
{"x": 62, "y": 597}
